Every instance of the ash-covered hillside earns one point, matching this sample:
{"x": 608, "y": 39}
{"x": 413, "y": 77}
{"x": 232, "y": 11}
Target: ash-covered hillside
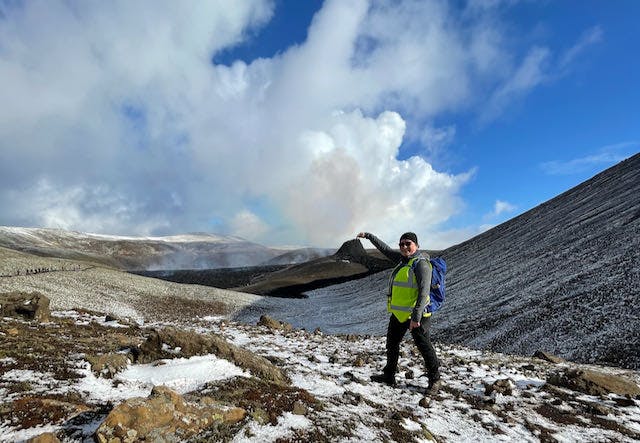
{"x": 563, "y": 277}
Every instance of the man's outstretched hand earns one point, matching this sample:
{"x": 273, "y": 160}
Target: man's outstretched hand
{"x": 414, "y": 324}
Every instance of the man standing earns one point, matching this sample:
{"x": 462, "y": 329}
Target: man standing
{"x": 409, "y": 287}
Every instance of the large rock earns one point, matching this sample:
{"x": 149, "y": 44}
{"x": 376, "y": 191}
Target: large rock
{"x": 108, "y": 365}
{"x": 171, "y": 343}
{"x": 547, "y": 356}
{"x": 47, "y": 437}
{"x": 595, "y": 383}
{"x": 164, "y": 416}
{"x": 272, "y": 323}
{"x": 32, "y": 305}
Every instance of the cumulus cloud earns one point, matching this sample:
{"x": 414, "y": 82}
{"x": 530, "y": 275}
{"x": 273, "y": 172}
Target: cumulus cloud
{"x": 116, "y": 120}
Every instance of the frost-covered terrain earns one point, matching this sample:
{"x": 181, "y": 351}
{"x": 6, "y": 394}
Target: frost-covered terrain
{"x": 485, "y": 396}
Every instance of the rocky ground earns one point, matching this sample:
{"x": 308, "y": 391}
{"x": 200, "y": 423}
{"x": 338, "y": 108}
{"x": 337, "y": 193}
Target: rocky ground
{"x": 84, "y": 376}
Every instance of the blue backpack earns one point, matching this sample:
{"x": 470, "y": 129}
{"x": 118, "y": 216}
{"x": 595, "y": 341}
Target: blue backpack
{"x": 437, "y": 292}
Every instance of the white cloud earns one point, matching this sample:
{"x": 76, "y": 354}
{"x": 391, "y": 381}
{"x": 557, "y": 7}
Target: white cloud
{"x": 606, "y": 156}
{"x": 118, "y": 109}
{"x": 530, "y": 73}
{"x": 248, "y": 225}
{"x": 501, "y": 207}
{"x": 590, "y": 37}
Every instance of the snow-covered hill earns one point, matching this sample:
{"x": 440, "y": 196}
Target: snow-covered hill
{"x": 188, "y": 251}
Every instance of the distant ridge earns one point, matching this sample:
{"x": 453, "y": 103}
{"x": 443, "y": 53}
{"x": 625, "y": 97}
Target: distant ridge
{"x": 564, "y": 276}
{"x": 187, "y": 251}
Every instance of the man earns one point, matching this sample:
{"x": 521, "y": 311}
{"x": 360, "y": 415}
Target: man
{"x": 409, "y": 287}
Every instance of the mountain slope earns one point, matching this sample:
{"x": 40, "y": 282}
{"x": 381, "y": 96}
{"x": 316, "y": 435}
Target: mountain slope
{"x": 349, "y": 262}
{"x": 564, "y": 277}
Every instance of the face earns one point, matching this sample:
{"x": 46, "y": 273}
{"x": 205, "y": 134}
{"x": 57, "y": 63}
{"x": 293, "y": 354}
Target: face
{"x": 407, "y": 247}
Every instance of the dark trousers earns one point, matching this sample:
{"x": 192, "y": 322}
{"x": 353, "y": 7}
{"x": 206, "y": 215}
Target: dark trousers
{"x": 395, "y": 333}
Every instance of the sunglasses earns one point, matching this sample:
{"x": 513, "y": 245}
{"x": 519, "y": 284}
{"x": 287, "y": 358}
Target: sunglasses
{"x": 405, "y": 244}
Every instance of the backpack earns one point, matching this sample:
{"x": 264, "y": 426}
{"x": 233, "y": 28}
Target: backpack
{"x": 437, "y": 292}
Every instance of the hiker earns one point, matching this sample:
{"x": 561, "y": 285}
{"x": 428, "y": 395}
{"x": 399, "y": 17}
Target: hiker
{"x": 409, "y": 286}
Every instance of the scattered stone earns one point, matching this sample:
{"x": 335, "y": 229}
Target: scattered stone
{"x": 299, "y": 408}
{"x": 425, "y": 402}
{"x": 32, "y": 306}
{"x": 409, "y": 375}
{"x": 13, "y": 332}
{"x": 272, "y": 323}
{"x": 625, "y": 402}
{"x": 353, "y": 398}
{"x": 528, "y": 367}
{"x": 350, "y": 376}
{"x": 598, "y": 409}
{"x": 594, "y": 383}
{"x": 47, "y": 437}
{"x": 502, "y": 386}
{"x": 543, "y": 355}
{"x": 359, "y": 362}
{"x": 108, "y": 365}
{"x": 164, "y": 416}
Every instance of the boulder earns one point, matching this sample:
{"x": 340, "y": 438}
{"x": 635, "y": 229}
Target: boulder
{"x": 172, "y": 343}
{"x": 594, "y": 382}
{"x": 47, "y": 437}
{"x": 502, "y": 386}
{"x": 164, "y": 416}
{"x": 108, "y": 365}
{"x": 543, "y": 355}
{"x": 32, "y": 305}
{"x": 272, "y": 323}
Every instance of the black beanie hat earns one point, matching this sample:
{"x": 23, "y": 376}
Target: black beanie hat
{"x": 410, "y": 236}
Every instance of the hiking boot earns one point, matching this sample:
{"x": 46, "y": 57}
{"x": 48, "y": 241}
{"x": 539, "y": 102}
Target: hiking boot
{"x": 383, "y": 378}
{"x": 434, "y": 384}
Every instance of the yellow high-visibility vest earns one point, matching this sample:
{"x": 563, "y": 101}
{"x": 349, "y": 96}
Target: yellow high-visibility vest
{"x": 404, "y": 292}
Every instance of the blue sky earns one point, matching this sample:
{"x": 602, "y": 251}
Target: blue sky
{"x": 288, "y": 122}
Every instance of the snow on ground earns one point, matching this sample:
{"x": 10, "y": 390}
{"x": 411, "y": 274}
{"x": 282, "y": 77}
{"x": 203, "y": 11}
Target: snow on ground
{"x": 327, "y": 366}
{"x": 320, "y": 364}
{"x": 181, "y": 374}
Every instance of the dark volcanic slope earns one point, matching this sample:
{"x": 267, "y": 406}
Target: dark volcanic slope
{"x": 564, "y": 276}
{"x": 349, "y": 262}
